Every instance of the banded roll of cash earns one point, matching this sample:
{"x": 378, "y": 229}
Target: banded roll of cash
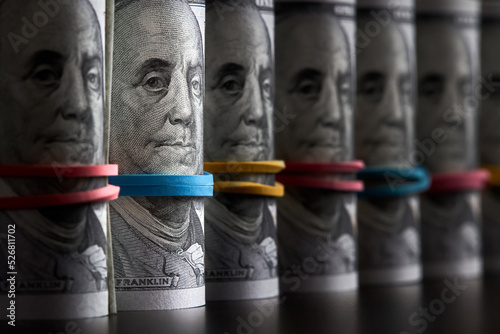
{"x": 240, "y": 226}
{"x": 315, "y": 63}
{"x": 389, "y": 226}
{"x": 52, "y": 117}
{"x": 156, "y": 129}
{"x": 489, "y": 139}
{"x": 448, "y": 64}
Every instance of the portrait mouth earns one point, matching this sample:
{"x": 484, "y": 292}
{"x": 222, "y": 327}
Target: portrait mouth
{"x": 177, "y": 145}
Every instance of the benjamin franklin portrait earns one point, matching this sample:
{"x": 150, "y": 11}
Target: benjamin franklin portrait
{"x": 156, "y": 118}
{"x": 388, "y": 227}
{"x": 51, "y": 113}
{"x": 446, "y": 79}
{"x": 314, "y": 84}
{"x": 240, "y": 229}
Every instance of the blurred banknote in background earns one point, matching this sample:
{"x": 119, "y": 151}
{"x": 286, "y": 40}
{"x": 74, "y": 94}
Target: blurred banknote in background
{"x": 242, "y": 256}
{"x": 448, "y": 64}
{"x": 315, "y": 64}
{"x": 389, "y": 227}
{"x": 52, "y": 113}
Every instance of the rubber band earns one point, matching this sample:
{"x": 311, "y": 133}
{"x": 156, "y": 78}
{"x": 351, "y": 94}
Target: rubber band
{"x": 397, "y": 181}
{"x": 323, "y": 183}
{"x": 494, "y": 173}
{"x": 162, "y": 180}
{"x": 324, "y": 167}
{"x": 459, "y": 181}
{"x": 267, "y": 167}
{"x": 167, "y": 190}
{"x": 250, "y": 188}
{"x": 103, "y": 194}
{"x": 58, "y": 171}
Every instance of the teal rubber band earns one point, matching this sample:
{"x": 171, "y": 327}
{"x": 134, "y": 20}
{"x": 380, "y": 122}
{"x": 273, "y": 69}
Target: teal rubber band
{"x": 415, "y": 180}
{"x": 164, "y": 185}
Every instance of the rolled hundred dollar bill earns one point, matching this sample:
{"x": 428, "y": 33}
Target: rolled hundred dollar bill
{"x": 156, "y": 128}
{"x": 315, "y": 62}
{"x": 389, "y": 227}
{"x": 448, "y": 63}
{"x": 488, "y": 129}
{"x": 53, "y": 259}
{"x": 240, "y": 228}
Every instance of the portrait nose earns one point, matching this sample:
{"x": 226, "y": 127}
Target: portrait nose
{"x": 76, "y": 102}
{"x": 329, "y": 104}
{"x": 392, "y": 106}
{"x": 181, "y": 111}
{"x": 254, "y": 103}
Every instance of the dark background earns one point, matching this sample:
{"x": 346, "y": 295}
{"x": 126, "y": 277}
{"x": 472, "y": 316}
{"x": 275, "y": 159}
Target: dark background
{"x": 373, "y": 310}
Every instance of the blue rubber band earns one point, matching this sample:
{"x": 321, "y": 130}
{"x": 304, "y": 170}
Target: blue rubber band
{"x": 415, "y": 180}
{"x": 162, "y": 180}
{"x": 164, "y": 185}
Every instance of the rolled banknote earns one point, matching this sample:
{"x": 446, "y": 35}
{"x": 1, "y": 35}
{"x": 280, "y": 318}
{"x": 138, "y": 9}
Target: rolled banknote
{"x": 53, "y": 259}
{"x": 240, "y": 229}
{"x": 315, "y": 62}
{"x": 156, "y": 128}
{"x": 389, "y": 227}
{"x": 448, "y": 63}
{"x": 489, "y": 122}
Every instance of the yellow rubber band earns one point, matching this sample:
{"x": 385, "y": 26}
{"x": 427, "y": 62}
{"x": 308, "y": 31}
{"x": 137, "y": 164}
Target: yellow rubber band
{"x": 250, "y": 188}
{"x": 233, "y": 167}
{"x": 495, "y": 174}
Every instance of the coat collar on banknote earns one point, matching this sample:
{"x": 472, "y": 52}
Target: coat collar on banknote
{"x": 231, "y": 223}
{"x": 300, "y": 217}
{"x": 152, "y": 228}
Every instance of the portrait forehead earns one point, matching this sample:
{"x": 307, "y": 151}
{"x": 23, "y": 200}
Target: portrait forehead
{"x": 70, "y": 21}
{"x": 314, "y": 40}
{"x": 156, "y": 29}
{"x": 237, "y": 35}
{"x": 441, "y": 48}
{"x": 386, "y": 51}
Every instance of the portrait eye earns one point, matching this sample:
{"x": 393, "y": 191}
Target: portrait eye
{"x": 266, "y": 88}
{"x": 153, "y": 83}
{"x": 196, "y": 86}
{"x": 231, "y": 85}
{"x": 372, "y": 87}
{"x": 46, "y": 75}
{"x": 309, "y": 89}
{"x": 94, "y": 79}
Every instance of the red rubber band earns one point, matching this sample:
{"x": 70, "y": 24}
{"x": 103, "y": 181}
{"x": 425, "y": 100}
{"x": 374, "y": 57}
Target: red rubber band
{"x": 103, "y": 194}
{"x": 323, "y": 183}
{"x": 459, "y": 181}
{"x": 325, "y": 167}
{"x": 58, "y": 171}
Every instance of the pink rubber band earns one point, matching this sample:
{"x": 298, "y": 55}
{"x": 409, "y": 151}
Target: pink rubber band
{"x": 103, "y": 194}
{"x": 58, "y": 171}
{"x": 459, "y": 181}
{"x": 325, "y": 167}
{"x": 324, "y": 183}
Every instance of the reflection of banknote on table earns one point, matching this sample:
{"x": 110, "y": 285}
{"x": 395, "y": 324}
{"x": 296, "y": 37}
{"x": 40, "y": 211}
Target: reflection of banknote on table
{"x": 241, "y": 229}
{"x": 389, "y": 237}
{"x": 489, "y": 124}
{"x": 156, "y": 127}
{"x": 52, "y": 113}
{"x": 314, "y": 87}
{"x": 447, "y": 53}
